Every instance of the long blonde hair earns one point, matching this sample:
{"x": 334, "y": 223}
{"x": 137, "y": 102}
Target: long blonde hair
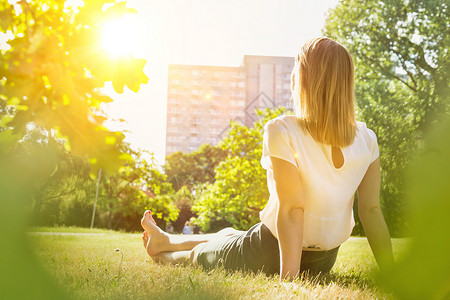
{"x": 322, "y": 84}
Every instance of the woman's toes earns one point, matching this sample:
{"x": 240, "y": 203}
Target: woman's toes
{"x": 146, "y": 214}
{"x": 146, "y": 220}
{"x": 148, "y": 223}
{"x": 149, "y": 215}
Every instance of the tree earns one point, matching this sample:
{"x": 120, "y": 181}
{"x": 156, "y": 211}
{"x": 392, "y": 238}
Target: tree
{"x": 147, "y": 188}
{"x": 54, "y": 70}
{"x": 139, "y": 185}
{"x": 401, "y": 79}
{"x": 186, "y": 171}
{"x": 239, "y": 191}
{"x": 67, "y": 196}
{"x": 183, "y": 200}
{"x": 189, "y": 169}
{"x": 399, "y": 41}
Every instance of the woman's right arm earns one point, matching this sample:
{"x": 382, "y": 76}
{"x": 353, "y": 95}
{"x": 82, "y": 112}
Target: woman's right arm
{"x": 289, "y": 217}
{"x": 369, "y": 211}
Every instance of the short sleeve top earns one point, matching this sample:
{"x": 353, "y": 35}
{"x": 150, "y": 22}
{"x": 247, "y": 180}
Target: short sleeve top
{"x": 327, "y": 191}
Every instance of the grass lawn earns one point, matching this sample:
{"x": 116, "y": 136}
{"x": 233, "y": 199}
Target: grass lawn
{"x": 70, "y": 229}
{"x": 90, "y": 266}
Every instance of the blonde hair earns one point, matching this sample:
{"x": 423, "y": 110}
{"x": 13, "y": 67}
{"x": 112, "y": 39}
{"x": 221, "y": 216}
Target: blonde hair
{"x": 322, "y": 84}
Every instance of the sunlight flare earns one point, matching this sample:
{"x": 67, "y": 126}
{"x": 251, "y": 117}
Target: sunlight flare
{"x": 121, "y": 37}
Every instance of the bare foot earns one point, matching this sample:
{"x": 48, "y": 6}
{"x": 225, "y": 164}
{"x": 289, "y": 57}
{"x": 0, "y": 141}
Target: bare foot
{"x": 155, "y": 240}
{"x": 155, "y": 258}
{"x": 145, "y": 238}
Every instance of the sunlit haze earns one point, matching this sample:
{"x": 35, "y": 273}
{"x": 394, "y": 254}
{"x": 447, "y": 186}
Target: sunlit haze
{"x": 203, "y": 32}
{"x": 123, "y": 36}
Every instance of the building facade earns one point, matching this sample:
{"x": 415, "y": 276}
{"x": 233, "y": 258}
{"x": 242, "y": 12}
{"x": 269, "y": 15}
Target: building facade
{"x": 202, "y": 100}
{"x": 268, "y": 83}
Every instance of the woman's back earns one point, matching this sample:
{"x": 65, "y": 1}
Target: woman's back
{"x": 327, "y": 191}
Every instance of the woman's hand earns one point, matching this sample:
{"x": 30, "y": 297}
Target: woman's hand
{"x": 289, "y": 217}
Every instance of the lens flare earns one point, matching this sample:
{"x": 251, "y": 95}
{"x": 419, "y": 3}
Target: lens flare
{"x": 121, "y": 37}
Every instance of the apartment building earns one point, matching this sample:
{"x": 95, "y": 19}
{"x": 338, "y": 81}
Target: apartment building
{"x": 268, "y": 83}
{"x": 202, "y": 100}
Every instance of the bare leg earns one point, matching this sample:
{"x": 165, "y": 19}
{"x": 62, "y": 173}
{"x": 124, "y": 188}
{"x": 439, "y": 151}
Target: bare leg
{"x": 176, "y": 257}
{"x": 158, "y": 241}
{"x": 179, "y": 257}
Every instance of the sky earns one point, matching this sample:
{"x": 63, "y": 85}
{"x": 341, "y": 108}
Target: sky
{"x": 204, "y": 32}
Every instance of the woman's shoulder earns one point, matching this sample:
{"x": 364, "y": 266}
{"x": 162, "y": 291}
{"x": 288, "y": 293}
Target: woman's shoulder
{"x": 363, "y": 131}
{"x": 289, "y": 126}
{"x": 284, "y": 121}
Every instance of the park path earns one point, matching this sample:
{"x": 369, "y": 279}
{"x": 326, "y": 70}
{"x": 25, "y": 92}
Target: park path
{"x": 101, "y": 234}
{"x": 67, "y": 233}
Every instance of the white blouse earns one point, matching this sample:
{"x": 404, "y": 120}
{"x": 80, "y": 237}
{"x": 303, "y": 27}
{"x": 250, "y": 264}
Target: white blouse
{"x": 328, "y": 192}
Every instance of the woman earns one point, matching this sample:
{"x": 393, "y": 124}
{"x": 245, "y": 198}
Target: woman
{"x": 187, "y": 228}
{"x": 316, "y": 161}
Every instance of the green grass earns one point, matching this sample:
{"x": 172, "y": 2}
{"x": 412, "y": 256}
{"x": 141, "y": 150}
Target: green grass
{"x": 91, "y": 267}
{"x": 71, "y": 229}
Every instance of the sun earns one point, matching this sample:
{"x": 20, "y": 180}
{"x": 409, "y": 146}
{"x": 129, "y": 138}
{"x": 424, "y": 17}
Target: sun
{"x": 122, "y": 36}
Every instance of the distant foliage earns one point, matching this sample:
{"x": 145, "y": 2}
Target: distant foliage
{"x": 189, "y": 169}
{"x": 400, "y": 51}
{"x": 138, "y": 186}
{"x": 186, "y": 172}
{"x": 67, "y": 196}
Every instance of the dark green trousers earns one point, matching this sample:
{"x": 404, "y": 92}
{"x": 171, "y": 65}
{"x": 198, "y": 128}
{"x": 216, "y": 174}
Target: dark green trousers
{"x": 257, "y": 250}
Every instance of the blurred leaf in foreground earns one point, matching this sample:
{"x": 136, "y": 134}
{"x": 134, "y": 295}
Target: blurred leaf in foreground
{"x": 424, "y": 272}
